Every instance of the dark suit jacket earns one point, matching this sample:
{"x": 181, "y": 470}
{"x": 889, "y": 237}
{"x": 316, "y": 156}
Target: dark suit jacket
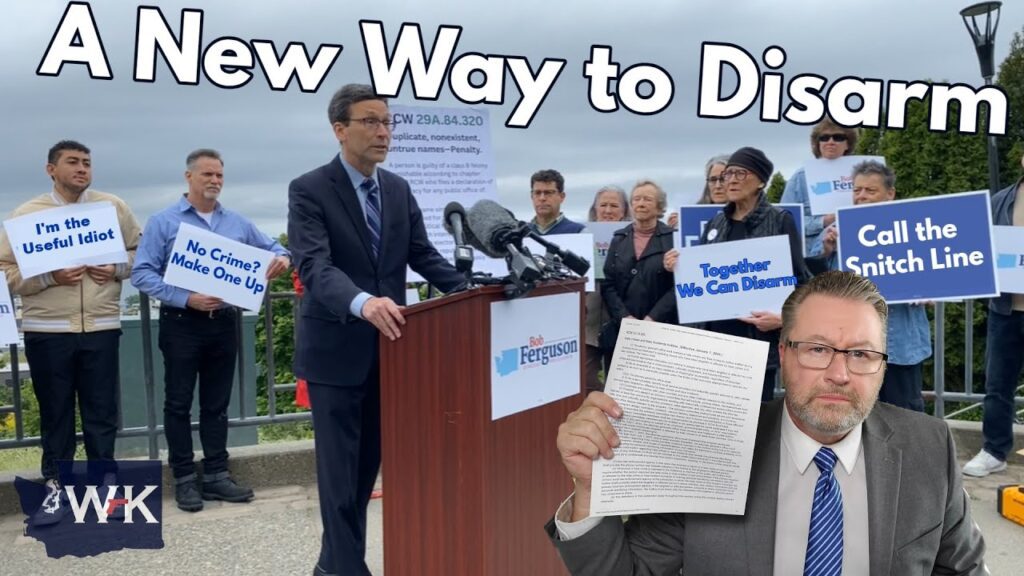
{"x": 330, "y": 247}
{"x": 919, "y": 520}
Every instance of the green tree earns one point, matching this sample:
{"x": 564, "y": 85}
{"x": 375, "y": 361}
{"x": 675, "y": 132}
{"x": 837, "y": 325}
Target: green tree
{"x": 776, "y": 187}
{"x": 1011, "y": 80}
{"x": 283, "y": 340}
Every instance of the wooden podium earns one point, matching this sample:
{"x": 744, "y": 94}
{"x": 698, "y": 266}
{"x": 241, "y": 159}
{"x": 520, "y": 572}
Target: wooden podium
{"x": 465, "y": 495}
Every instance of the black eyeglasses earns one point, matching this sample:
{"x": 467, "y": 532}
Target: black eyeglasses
{"x": 819, "y": 357}
{"x": 712, "y": 180}
{"x": 832, "y": 137}
{"x": 739, "y": 175}
{"x": 374, "y": 123}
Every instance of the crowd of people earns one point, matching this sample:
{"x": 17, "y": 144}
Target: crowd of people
{"x": 353, "y": 229}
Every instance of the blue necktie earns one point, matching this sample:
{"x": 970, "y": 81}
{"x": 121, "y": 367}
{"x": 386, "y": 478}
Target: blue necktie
{"x": 825, "y": 538}
{"x": 372, "y": 213}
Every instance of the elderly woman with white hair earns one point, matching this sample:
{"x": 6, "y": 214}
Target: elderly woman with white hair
{"x": 610, "y": 205}
{"x": 636, "y": 284}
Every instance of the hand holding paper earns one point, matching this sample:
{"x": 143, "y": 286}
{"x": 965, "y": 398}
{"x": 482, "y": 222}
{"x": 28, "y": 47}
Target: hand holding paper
{"x": 691, "y": 401}
{"x": 582, "y": 438}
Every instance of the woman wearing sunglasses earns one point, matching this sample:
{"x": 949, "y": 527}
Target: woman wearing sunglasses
{"x": 829, "y": 141}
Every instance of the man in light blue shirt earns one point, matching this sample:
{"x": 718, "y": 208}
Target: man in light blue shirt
{"x": 197, "y": 333}
{"x": 909, "y": 334}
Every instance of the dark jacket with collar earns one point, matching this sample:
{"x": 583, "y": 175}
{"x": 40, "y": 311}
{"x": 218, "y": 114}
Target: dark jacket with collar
{"x": 639, "y": 287}
{"x": 1002, "y": 215}
{"x": 763, "y": 221}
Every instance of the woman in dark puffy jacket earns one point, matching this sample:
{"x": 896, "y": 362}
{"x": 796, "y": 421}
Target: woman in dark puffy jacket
{"x": 747, "y": 215}
{"x": 636, "y": 285}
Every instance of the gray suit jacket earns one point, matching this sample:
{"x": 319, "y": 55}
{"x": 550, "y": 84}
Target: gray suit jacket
{"x": 919, "y": 517}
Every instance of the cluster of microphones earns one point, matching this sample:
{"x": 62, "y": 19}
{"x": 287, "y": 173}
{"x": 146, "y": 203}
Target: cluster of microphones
{"x": 494, "y": 230}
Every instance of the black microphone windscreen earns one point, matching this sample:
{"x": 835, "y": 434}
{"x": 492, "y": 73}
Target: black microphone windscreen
{"x": 449, "y": 210}
{"x": 484, "y": 219}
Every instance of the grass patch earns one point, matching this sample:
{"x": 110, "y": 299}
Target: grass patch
{"x": 285, "y": 432}
{"x": 27, "y": 459}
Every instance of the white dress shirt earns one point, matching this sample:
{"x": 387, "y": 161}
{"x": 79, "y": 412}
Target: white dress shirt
{"x": 797, "y": 477}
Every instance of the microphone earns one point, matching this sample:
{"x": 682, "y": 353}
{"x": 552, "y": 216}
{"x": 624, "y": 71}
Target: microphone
{"x": 454, "y": 216}
{"x": 493, "y": 228}
{"x": 572, "y": 261}
{"x": 499, "y": 235}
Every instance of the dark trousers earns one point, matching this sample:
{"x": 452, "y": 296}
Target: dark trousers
{"x": 194, "y": 344}
{"x": 1004, "y": 357}
{"x": 346, "y": 425}
{"x": 901, "y": 386}
{"x": 63, "y": 366}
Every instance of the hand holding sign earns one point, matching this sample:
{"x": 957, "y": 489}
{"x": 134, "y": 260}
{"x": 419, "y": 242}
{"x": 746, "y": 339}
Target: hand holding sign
{"x": 101, "y": 274}
{"x": 69, "y": 276}
{"x": 66, "y": 238}
{"x": 763, "y": 320}
{"x": 828, "y": 243}
{"x": 204, "y": 303}
{"x": 206, "y": 263}
{"x": 671, "y": 257}
{"x": 277, "y": 266}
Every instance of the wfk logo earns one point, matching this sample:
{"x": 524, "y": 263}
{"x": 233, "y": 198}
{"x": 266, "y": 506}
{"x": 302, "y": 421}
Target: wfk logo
{"x": 89, "y": 510}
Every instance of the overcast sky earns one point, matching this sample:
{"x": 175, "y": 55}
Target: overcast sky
{"x": 140, "y": 132}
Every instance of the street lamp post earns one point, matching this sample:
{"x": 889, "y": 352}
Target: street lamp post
{"x": 981, "y": 21}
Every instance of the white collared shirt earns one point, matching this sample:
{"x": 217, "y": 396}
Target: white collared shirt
{"x": 797, "y": 476}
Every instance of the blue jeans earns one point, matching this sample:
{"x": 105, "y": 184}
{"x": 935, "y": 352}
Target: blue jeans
{"x": 1004, "y": 357}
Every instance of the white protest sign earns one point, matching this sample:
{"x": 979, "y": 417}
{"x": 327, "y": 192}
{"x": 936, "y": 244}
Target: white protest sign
{"x": 67, "y": 236}
{"x": 207, "y": 263}
{"x": 829, "y": 184}
{"x": 603, "y": 233}
{"x": 8, "y": 323}
{"x": 1009, "y": 242}
{"x": 535, "y": 352}
{"x": 445, "y": 154}
{"x": 732, "y": 279}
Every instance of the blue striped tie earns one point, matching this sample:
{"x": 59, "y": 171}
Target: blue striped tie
{"x": 372, "y": 213}
{"x": 825, "y": 538}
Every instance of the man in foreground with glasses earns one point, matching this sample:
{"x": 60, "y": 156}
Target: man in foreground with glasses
{"x": 547, "y": 191}
{"x": 838, "y": 484}
{"x": 909, "y": 332}
{"x": 353, "y": 229}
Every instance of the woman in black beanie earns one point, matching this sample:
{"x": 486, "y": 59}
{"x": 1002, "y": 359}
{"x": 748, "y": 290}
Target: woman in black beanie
{"x": 749, "y": 215}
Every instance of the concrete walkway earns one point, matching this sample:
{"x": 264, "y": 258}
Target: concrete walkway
{"x": 279, "y": 534}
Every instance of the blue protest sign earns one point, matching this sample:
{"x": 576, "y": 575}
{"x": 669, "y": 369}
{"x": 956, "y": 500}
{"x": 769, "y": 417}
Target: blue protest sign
{"x": 921, "y": 249}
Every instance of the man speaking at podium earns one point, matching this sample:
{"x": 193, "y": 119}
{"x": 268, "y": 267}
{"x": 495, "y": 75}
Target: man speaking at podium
{"x": 353, "y": 228}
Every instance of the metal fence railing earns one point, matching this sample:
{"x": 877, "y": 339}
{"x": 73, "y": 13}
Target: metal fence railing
{"x": 152, "y": 430}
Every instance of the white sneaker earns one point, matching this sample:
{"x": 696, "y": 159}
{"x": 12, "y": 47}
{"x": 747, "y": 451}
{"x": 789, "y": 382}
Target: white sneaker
{"x": 983, "y": 464}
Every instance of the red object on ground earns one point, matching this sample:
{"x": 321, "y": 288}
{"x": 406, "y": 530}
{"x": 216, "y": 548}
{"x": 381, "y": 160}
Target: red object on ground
{"x": 302, "y": 394}
{"x": 376, "y": 494}
{"x": 301, "y": 389}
